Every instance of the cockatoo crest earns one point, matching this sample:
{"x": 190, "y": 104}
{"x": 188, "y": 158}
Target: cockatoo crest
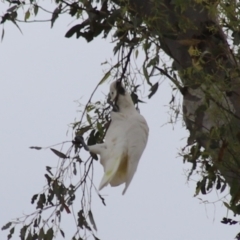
{"x": 120, "y": 97}
{"x": 116, "y": 88}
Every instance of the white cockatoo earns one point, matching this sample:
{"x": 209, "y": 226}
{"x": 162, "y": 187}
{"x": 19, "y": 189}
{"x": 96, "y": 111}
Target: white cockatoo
{"x": 125, "y": 140}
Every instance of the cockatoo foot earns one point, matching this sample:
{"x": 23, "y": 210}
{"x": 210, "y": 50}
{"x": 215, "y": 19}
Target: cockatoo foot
{"x": 80, "y": 139}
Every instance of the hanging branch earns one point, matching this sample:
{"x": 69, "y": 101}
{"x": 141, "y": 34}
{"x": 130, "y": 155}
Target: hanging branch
{"x": 126, "y": 64}
{"x": 173, "y": 80}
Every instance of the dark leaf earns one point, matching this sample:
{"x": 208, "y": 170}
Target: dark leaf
{"x": 12, "y": 230}
{"x": 62, "y": 233}
{"x": 50, "y": 196}
{"x": 223, "y": 187}
{"x": 3, "y": 32}
{"x": 71, "y": 199}
{"x": 227, "y": 205}
{"x": 49, "y": 234}
{"x": 228, "y": 220}
{"x": 152, "y": 62}
{"x": 41, "y": 234}
{"x": 23, "y": 232}
{"x": 34, "y": 198}
{"x": 49, "y": 179}
{"x": 100, "y": 128}
{"x": 59, "y": 154}
{"x": 105, "y": 77}
{"x": 13, "y": 17}
{"x": 224, "y": 221}
{"x": 5, "y": 17}
{"x": 117, "y": 47}
{"x": 27, "y": 15}
{"x": 92, "y": 219}
{"x": 39, "y": 219}
{"x": 88, "y": 35}
{"x": 6, "y": 226}
{"x": 9, "y": 236}
{"x": 11, "y": 9}
{"x": 35, "y": 9}
{"x": 55, "y": 14}
{"x": 203, "y": 186}
{"x": 74, "y": 29}
{"x": 29, "y": 237}
{"x": 35, "y": 237}
{"x": 82, "y": 130}
{"x": 89, "y": 119}
{"x": 49, "y": 170}
{"x": 218, "y": 184}
{"x": 41, "y": 201}
{"x": 136, "y": 53}
{"x": 74, "y": 169}
{"x": 35, "y": 224}
{"x": 18, "y": 2}
{"x": 74, "y": 9}
{"x": 91, "y": 139}
{"x": 81, "y": 219}
{"x": 146, "y": 75}
{"x": 37, "y": 148}
{"x": 97, "y": 137}
{"x": 210, "y": 185}
{"x": 238, "y": 236}
{"x": 134, "y": 97}
{"x": 172, "y": 100}
{"x": 153, "y": 90}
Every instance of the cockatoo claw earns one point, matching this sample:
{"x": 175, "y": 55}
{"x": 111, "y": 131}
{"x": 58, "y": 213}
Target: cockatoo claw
{"x": 80, "y": 139}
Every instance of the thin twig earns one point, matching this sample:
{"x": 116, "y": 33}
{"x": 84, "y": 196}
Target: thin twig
{"x": 32, "y": 21}
{"x": 126, "y": 63}
{"x": 176, "y": 83}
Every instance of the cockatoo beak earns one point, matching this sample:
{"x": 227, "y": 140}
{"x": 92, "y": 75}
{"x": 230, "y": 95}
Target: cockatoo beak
{"x": 112, "y": 103}
{"x": 120, "y": 88}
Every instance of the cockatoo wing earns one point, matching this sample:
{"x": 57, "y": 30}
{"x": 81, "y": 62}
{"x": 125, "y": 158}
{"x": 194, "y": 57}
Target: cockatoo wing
{"x": 112, "y": 167}
{"x": 137, "y": 137}
{"x": 126, "y": 140}
{"x": 116, "y": 150}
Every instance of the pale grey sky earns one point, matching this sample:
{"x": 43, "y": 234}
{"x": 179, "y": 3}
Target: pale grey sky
{"x": 42, "y": 74}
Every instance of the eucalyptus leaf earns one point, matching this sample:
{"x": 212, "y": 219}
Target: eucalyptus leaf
{"x": 59, "y": 154}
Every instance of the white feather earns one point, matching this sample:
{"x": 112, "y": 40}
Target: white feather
{"x": 124, "y": 144}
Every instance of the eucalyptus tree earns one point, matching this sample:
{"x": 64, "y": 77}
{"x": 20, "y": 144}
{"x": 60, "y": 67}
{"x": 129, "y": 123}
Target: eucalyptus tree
{"x": 201, "y": 37}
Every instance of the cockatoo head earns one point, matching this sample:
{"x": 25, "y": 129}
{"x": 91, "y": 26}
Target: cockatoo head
{"x": 116, "y": 89}
{"x": 119, "y": 97}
